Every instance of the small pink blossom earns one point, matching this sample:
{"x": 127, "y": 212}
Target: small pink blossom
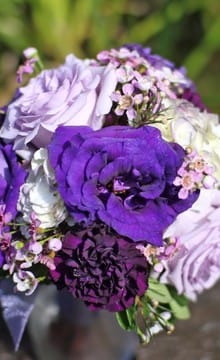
{"x": 55, "y": 244}
{"x": 194, "y": 174}
{"x": 27, "y": 68}
{"x": 127, "y": 101}
{"x": 142, "y": 82}
{"x": 5, "y": 217}
{"x": 35, "y": 223}
{"x": 156, "y": 255}
{"x": 48, "y": 262}
{"x": 209, "y": 182}
{"x": 30, "y": 52}
{"x": 5, "y": 240}
{"x": 35, "y": 247}
{"x": 124, "y": 74}
{"x": 25, "y": 281}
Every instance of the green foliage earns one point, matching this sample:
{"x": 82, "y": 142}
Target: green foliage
{"x": 179, "y": 305}
{"x": 126, "y": 319}
{"x": 163, "y": 294}
{"x": 150, "y": 310}
{"x": 158, "y": 292}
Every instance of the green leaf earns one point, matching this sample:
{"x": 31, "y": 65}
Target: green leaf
{"x": 179, "y": 311}
{"x": 130, "y": 315}
{"x": 179, "y": 305}
{"x": 145, "y": 306}
{"x": 157, "y": 291}
{"x": 124, "y": 320}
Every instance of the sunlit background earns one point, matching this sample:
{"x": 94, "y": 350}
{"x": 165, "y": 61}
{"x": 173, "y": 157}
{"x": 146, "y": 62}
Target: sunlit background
{"x": 185, "y": 31}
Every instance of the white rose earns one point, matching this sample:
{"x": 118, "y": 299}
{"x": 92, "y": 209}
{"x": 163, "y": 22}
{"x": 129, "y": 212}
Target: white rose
{"x": 39, "y": 194}
{"x": 186, "y": 125}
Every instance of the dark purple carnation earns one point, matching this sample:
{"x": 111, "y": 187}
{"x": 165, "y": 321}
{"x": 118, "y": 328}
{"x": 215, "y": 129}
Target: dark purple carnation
{"x": 12, "y": 176}
{"x": 121, "y": 176}
{"x": 103, "y": 270}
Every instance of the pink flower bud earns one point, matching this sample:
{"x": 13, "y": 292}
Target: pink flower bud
{"x": 55, "y": 244}
{"x": 158, "y": 267}
{"x": 29, "y": 52}
{"x": 209, "y": 182}
{"x": 35, "y": 247}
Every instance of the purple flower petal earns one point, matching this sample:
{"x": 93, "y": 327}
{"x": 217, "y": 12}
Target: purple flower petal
{"x": 90, "y": 165}
{"x": 103, "y": 270}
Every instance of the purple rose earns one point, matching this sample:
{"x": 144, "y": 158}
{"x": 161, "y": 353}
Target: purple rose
{"x": 196, "y": 266}
{"x": 121, "y": 176}
{"x": 75, "y": 93}
{"x": 105, "y": 271}
{"x": 12, "y": 176}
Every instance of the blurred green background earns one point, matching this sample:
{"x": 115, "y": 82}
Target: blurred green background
{"x": 185, "y": 31}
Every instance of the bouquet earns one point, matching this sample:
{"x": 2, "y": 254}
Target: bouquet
{"x": 109, "y": 187}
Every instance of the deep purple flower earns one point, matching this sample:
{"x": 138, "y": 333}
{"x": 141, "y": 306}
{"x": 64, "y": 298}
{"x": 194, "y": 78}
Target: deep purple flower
{"x": 12, "y": 176}
{"x": 121, "y": 176}
{"x": 2, "y": 259}
{"x": 193, "y": 96}
{"x": 154, "y": 59}
{"x": 103, "y": 270}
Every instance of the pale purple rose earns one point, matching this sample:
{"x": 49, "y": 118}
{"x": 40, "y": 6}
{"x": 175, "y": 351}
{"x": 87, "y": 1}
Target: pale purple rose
{"x": 75, "y": 93}
{"x": 196, "y": 266}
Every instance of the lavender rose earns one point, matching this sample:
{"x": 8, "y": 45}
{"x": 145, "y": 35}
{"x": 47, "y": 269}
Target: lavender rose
{"x": 103, "y": 270}
{"x": 196, "y": 266}
{"x": 12, "y": 176}
{"x": 121, "y": 176}
{"x": 75, "y": 93}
